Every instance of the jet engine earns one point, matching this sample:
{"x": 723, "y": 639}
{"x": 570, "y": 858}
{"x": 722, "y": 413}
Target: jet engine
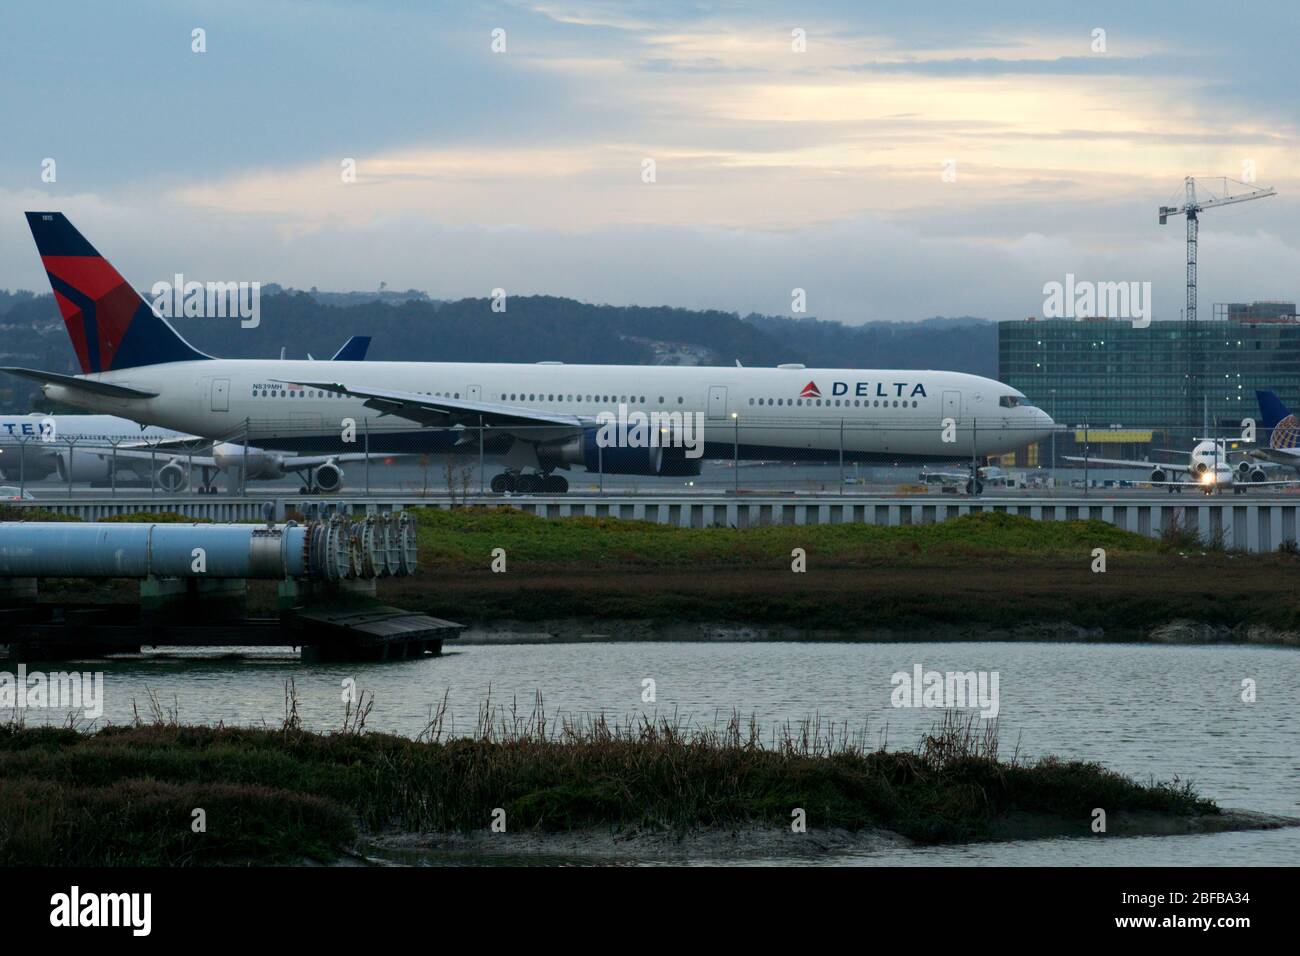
{"x": 616, "y": 460}
{"x": 17, "y": 461}
{"x": 173, "y": 477}
{"x": 328, "y": 477}
{"x": 1158, "y": 475}
{"x": 86, "y": 465}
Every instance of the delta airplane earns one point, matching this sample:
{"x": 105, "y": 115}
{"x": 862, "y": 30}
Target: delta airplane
{"x": 534, "y": 418}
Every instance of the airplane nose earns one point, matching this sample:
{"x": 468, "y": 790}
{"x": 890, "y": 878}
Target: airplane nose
{"x": 1043, "y": 424}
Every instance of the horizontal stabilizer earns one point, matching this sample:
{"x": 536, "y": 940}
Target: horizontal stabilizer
{"x": 84, "y": 384}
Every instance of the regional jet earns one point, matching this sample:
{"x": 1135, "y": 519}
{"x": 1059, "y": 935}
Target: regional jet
{"x": 535, "y": 419}
{"x": 1210, "y": 468}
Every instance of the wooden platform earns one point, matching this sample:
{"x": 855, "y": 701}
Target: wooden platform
{"x": 385, "y": 633}
{"x": 54, "y": 632}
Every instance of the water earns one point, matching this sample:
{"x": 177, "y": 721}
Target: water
{"x": 1146, "y": 711}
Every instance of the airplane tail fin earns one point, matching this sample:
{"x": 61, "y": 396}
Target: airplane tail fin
{"x": 110, "y": 325}
{"x": 1283, "y": 429}
{"x": 1271, "y": 409}
{"x": 353, "y": 350}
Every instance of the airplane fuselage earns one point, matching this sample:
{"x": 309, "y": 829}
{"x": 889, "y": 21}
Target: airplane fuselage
{"x": 885, "y": 415}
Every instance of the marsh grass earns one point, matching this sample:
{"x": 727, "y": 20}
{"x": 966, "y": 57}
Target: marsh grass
{"x": 126, "y": 794}
{"x": 1000, "y": 571}
{"x": 461, "y": 538}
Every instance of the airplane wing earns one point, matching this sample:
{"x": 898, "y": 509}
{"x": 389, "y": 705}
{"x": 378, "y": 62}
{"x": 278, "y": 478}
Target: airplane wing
{"x": 181, "y": 443}
{"x": 1190, "y": 482}
{"x": 291, "y": 463}
{"x": 1119, "y": 463}
{"x": 294, "y": 462}
{"x": 1278, "y": 456}
{"x": 945, "y": 475}
{"x": 163, "y": 456}
{"x": 432, "y": 410}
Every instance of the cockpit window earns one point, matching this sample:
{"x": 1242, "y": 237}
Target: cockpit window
{"x": 1009, "y": 401}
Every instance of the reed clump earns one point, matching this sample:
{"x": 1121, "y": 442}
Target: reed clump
{"x": 128, "y": 794}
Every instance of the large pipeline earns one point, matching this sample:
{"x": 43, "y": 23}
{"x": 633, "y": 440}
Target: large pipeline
{"x": 332, "y": 550}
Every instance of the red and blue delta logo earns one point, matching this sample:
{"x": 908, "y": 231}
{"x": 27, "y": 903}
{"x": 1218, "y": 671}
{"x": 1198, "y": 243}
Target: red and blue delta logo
{"x": 885, "y": 390}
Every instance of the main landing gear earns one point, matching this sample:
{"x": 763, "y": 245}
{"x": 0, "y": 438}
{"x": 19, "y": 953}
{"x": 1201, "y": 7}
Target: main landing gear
{"x": 528, "y": 484}
{"x": 209, "y": 486}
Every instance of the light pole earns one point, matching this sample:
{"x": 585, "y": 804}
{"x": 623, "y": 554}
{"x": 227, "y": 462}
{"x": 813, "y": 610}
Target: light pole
{"x": 1054, "y": 427}
{"x": 243, "y": 466}
{"x": 841, "y": 456}
{"x": 735, "y": 462}
{"x": 1087, "y": 453}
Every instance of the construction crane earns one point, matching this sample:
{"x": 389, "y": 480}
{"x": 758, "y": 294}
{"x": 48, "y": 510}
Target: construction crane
{"x": 1192, "y": 210}
{"x": 1195, "y": 360}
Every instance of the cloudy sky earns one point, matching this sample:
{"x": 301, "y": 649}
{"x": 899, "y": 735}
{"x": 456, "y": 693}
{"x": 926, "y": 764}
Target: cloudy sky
{"x": 821, "y": 168}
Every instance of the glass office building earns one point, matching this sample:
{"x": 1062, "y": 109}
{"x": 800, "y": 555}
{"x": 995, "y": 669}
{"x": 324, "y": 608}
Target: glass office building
{"x": 1136, "y": 386}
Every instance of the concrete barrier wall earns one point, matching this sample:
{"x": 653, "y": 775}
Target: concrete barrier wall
{"x": 1251, "y": 524}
